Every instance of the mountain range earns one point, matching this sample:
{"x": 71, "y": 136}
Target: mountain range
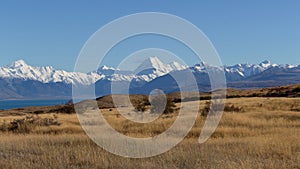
{"x": 22, "y": 81}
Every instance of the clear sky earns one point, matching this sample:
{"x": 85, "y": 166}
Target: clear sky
{"x": 53, "y": 32}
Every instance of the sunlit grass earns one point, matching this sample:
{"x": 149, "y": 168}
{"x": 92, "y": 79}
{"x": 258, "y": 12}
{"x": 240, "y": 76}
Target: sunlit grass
{"x": 261, "y": 136}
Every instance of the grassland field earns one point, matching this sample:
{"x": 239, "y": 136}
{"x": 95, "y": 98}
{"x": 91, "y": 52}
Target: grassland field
{"x": 258, "y": 132}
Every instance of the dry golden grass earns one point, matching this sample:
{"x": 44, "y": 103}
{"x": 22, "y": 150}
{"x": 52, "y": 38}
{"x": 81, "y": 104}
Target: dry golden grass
{"x": 265, "y": 135}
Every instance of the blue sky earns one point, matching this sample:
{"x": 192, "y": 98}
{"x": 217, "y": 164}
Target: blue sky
{"x": 53, "y": 32}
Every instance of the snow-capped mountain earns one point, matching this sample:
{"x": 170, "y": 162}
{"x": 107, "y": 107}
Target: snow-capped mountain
{"x": 153, "y": 65}
{"x": 152, "y": 68}
{"x": 20, "y": 70}
{"x": 47, "y": 74}
{"x": 241, "y": 71}
{"x": 148, "y": 70}
{"x": 20, "y": 80}
{"x": 247, "y": 70}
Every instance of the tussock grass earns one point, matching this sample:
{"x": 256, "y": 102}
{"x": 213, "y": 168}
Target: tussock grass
{"x": 260, "y": 136}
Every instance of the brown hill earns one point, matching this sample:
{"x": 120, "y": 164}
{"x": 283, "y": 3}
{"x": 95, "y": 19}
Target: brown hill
{"x": 108, "y": 102}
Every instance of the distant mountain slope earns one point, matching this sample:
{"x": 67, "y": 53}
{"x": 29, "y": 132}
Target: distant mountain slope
{"x": 278, "y": 74}
{"x": 275, "y": 76}
{"x": 28, "y": 89}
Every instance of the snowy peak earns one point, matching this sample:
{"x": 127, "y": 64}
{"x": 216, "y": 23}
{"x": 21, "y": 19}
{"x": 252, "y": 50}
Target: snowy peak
{"x": 266, "y": 64}
{"x": 177, "y": 66}
{"x": 18, "y": 64}
{"x": 105, "y": 70}
{"x": 148, "y": 70}
{"x": 104, "y": 67}
{"x": 152, "y": 63}
{"x": 204, "y": 67}
{"x": 20, "y": 70}
{"x": 155, "y": 65}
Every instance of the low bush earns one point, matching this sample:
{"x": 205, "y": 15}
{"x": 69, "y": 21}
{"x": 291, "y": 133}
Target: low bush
{"x": 28, "y": 124}
{"x": 38, "y": 112}
{"x": 233, "y": 108}
{"x": 296, "y": 90}
{"x": 141, "y": 107}
{"x": 67, "y": 109}
{"x": 218, "y": 106}
{"x": 162, "y": 104}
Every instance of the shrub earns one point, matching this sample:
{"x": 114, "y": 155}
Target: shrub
{"x": 67, "y": 109}
{"x": 160, "y": 103}
{"x": 38, "y": 112}
{"x": 140, "y": 106}
{"x": 218, "y": 106}
{"x": 296, "y": 90}
{"x": 139, "y": 102}
{"x": 28, "y": 124}
{"x": 170, "y": 107}
{"x": 233, "y": 108}
{"x": 206, "y": 109}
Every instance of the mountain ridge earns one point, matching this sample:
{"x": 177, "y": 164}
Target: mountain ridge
{"x": 45, "y": 74}
{"x": 152, "y": 73}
